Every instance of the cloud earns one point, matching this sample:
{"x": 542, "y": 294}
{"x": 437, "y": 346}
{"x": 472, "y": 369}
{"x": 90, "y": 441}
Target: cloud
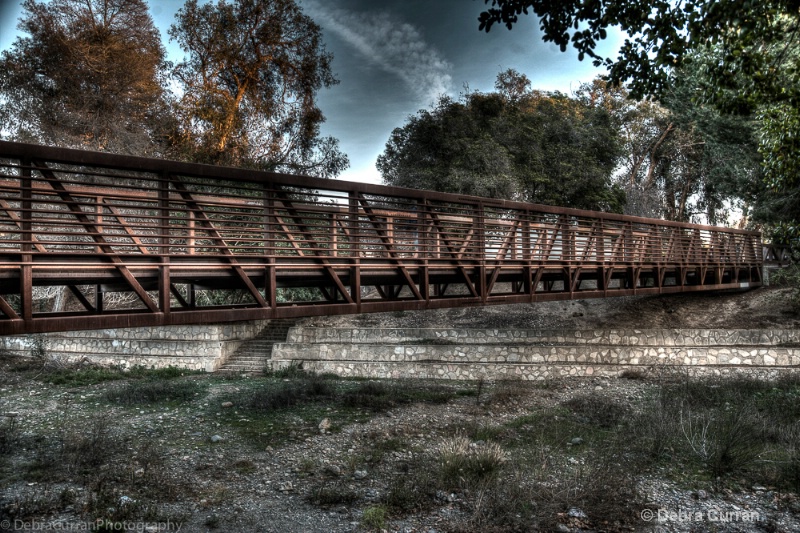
{"x": 391, "y": 44}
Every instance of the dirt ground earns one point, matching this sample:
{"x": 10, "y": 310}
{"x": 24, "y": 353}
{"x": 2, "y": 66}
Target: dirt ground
{"x": 74, "y": 455}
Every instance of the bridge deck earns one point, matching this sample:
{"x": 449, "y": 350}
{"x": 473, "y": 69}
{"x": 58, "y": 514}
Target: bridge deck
{"x": 91, "y": 240}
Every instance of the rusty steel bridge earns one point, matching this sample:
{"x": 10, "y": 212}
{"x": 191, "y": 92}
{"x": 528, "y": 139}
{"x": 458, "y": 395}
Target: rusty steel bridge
{"x": 129, "y": 241}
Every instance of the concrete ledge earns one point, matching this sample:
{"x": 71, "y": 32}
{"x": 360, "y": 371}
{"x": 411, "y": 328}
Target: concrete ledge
{"x": 521, "y": 353}
{"x": 510, "y": 371}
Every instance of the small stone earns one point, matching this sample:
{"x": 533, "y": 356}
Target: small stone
{"x": 576, "y": 513}
{"x": 359, "y": 474}
{"x": 216, "y": 438}
{"x": 333, "y": 470}
{"x": 576, "y": 441}
{"x": 325, "y": 425}
{"x": 286, "y": 486}
{"x": 701, "y": 495}
{"x": 759, "y": 488}
{"x": 563, "y": 529}
{"x": 227, "y": 405}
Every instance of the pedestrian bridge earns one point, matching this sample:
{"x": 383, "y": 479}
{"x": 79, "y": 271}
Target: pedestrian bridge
{"x": 93, "y": 240}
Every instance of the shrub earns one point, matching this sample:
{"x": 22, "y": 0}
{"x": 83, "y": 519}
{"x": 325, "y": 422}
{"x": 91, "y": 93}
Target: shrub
{"x": 153, "y": 391}
{"x": 374, "y": 517}
{"x": 8, "y": 433}
{"x": 789, "y": 277}
{"x": 332, "y": 494}
{"x": 307, "y": 390}
{"x": 370, "y": 395}
{"x": 598, "y": 411}
{"x": 414, "y": 491}
{"x": 464, "y": 464}
{"x": 726, "y": 440}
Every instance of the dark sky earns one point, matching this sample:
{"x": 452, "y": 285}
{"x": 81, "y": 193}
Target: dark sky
{"x": 394, "y": 57}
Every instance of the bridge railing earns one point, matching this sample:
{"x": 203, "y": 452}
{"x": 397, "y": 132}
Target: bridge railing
{"x": 97, "y": 224}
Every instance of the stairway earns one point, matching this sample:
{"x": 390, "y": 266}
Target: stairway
{"x": 253, "y": 356}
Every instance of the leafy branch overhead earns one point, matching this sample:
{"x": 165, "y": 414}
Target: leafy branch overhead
{"x": 662, "y": 34}
{"x": 741, "y": 57}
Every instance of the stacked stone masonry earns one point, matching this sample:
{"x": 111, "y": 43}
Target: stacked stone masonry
{"x": 535, "y": 354}
{"x": 434, "y": 353}
{"x": 191, "y": 347}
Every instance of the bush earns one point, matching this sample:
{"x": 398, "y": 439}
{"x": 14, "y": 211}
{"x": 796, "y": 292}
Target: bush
{"x": 374, "y": 517}
{"x": 370, "y": 395}
{"x": 153, "y": 391}
{"x": 726, "y": 440}
{"x": 413, "y": 492}
{"x": 8, "y": 433}
{"x": 308, "y": 390}
{"x": 465, "y": 464}
{"x": 332, "y": 494}
{"x": 598, "y": 411}
{"x": 789, "y": 277}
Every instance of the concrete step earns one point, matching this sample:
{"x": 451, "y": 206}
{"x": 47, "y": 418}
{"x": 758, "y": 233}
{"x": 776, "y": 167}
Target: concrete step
{"x": 528, "y": 353}
{"x": 253, "y": 355}
{"x": 511, "y": 371}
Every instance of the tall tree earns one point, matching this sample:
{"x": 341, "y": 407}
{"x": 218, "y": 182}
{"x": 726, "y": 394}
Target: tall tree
{"x": 249, "y": 82}
{"x": 514, "y": 143}
{"x": 86, "y": 75}
{"x": 682, "y": 160}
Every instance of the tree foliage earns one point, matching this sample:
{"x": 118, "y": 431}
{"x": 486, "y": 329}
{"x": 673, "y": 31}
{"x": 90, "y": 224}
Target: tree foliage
{"x": 249, "y": 83}
{"x": 513, "y": 143}
{"x": 742, "y": 56}
{"x": 661, "y": 35}
{"x": 87, "y": 75}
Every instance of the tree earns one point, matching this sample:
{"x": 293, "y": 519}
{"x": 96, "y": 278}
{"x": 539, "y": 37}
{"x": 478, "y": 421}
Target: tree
{"x": 662, "y": 34}
{"x": 681, "y": 160}
{"x": 87, "y": 75}
{"x": 514, "y": 143}
{"x": 745, "y": 55}
{"x": 249, "y": 82}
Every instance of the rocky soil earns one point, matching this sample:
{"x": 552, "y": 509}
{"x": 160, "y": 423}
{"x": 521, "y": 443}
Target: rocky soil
{"x": 71, "y": 455}
{"x": 753, "y": 309}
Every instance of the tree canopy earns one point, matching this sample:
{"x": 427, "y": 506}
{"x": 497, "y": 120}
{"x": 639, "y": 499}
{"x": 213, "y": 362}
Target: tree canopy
{"x": 88, "y": 75}
{"x": 91, "y": 74}
{"x": 661, "y": 34}
{"x": 742, "y": 57}
{"x": 513, "y": 143}
{"x": 249, "y": 83}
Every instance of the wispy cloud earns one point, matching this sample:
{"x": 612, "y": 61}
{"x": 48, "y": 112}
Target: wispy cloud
{"x": 390, "y": 43}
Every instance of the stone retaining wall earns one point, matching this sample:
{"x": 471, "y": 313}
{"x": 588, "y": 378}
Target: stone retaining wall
{"x": 192, "y": 347}
{"x": 472, "y": 354}
{"x": 633, "y": 337}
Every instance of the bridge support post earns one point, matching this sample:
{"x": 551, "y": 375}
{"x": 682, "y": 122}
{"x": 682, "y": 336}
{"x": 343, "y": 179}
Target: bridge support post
{"x": 26, "y": 268}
